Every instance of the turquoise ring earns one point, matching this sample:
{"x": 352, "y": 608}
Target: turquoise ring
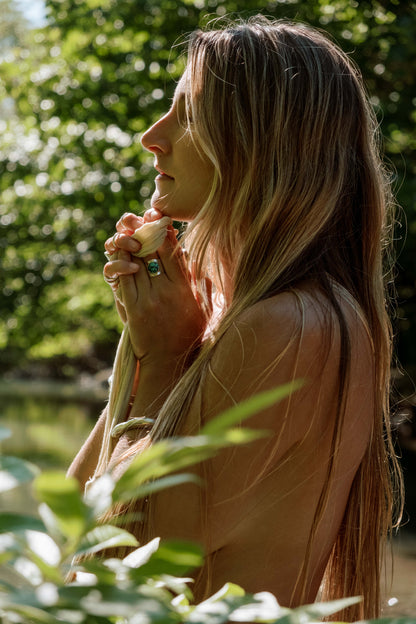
{"x": 153, "y": 267}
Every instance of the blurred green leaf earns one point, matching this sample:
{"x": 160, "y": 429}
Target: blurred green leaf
{"x": 15, "y": 522}
{"x": 174, "y": 454}
{"x": 251, "y": 406}
{"x": 63, "y": 497}
{"x": 50, "y": 573}
{"x": 141, "y": 555}
{"x": 4, "y": 433}
{"x": 99, "y": 568}
{"x": 264, "y": 607}
{"x": 27, "y": 614}
{"x": 174, "y": 558}
{"x": 218, "y": 608}
{"x": 14, "y": 472}
{"x": 410, "y": 619}
{"x": 112, "y": 601}
{"x": 152, "y": 487}
{"x": 51, "y": 523}
{"x": 105, "y": 536}
{"x": 324, "y": 609}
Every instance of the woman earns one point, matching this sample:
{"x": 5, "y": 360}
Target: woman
{"x": 269, "y": 154}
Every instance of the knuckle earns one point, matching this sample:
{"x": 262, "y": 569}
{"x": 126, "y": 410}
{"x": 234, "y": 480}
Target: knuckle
{"x": 127, "y": 222}
{"x": 153, "y": 306}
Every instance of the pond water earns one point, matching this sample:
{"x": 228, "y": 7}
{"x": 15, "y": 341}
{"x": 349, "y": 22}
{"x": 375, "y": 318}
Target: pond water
{"x": 400, "y": 592}
{"x": 50, "y": 432}
{"x": 45, "y": 432}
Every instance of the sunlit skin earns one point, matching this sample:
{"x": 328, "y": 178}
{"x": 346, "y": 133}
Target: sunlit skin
{"x": 164, "y": 319}
{"x": 183, "y": 182}
{"x": 185, "y": 177}
{"x": 248, "y": 529}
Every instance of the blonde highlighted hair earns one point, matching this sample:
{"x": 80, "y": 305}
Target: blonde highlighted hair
{"x": 299, "y": 193}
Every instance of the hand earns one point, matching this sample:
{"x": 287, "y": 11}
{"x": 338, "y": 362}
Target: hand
{"x": 165, "y": 320}
{"x": 122, "y": 240}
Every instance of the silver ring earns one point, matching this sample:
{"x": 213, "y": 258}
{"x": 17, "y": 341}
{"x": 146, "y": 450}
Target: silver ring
{"x": 122, "y": 219}
{"x": 113, "y": 239}
{"x": 111, "y": 280}
{"x": 153, "y": 267}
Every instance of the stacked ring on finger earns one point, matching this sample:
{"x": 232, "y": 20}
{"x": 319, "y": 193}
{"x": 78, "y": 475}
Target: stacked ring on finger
{"x": 112, "y": 280}
{"x": 112, "y": 255}
{"x": 122, "y": 219}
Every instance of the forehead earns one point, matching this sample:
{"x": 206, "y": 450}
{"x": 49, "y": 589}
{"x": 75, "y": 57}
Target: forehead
{"x": 181, "y": 88}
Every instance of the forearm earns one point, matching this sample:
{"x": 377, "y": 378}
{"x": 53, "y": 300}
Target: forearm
{"x": 85, "y": 462}
{"x": 155, "y": 383}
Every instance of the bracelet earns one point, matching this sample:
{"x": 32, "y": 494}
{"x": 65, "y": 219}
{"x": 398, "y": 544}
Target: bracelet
{"x": 133, "y": 423}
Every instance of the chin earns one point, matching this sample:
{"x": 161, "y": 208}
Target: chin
{"x": 169, "y": 210}
{"x": 161, "y": 203}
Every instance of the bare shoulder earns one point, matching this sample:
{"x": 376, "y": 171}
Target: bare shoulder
{"x": 293, "y": 335}
{"x": 293, "y": 329}
{"x": 304, "y": 316}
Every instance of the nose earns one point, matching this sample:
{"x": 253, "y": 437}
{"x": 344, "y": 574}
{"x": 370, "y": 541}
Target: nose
{"x": 156, "y": 138}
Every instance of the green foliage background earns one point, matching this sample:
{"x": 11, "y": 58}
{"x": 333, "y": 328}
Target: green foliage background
{"x": 75, "y": 97}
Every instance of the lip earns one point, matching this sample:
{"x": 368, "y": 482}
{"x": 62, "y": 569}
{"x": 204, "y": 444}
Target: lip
{"x": 162, "y": 174}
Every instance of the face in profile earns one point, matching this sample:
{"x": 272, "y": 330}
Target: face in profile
{"x": 184, "y": 176}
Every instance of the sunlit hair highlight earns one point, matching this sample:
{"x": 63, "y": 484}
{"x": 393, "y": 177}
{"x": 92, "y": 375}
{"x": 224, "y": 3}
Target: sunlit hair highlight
{"x": 299, "y": 194}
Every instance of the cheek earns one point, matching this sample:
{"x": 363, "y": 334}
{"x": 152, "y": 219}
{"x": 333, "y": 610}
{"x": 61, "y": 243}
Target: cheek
{"x": 200, "y": 186}
{"x": 203, "y": 174}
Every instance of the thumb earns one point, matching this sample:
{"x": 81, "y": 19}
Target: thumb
{"x": 153, "y": 214}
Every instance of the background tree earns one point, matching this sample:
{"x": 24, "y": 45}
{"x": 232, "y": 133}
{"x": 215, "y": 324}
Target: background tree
{"x": 13, "y": 26}
{"x": 85, "y": 88}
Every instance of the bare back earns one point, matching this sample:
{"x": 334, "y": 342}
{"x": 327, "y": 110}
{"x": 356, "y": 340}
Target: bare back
{"x": 262, "y": 499}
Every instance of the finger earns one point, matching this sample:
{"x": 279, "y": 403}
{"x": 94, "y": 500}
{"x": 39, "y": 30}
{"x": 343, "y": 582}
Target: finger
{"x": 134, "y": 285}
{"x": 173, "y": 259}
{"x": 129, "y": 222}
{"x": 121, "y": 240}
{"x": 153, "y": 262}
{"x": 115, "y": 268}
{"x": 110, "y": 245}
{"x": 153, "y": 214}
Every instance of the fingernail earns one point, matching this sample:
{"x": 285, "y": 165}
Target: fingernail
{"x": 133, "y": 266}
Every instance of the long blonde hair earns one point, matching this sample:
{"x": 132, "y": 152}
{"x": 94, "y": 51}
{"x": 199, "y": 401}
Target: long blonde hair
{"x": 299, "y": 193}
